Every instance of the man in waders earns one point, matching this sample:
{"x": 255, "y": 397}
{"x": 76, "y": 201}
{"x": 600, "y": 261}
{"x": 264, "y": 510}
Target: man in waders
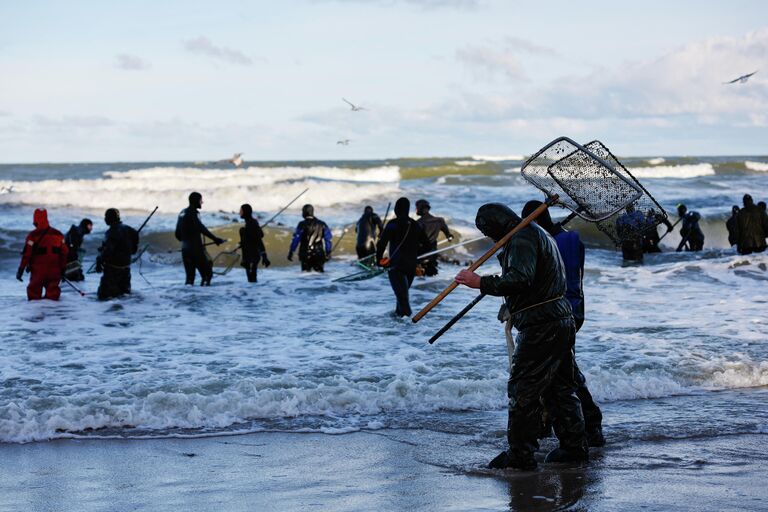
{"x": 533, "y": 284}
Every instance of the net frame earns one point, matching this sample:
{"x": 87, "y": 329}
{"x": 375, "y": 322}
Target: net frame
{"x": 645, "y": 204}
{"x": 586, "y": 183}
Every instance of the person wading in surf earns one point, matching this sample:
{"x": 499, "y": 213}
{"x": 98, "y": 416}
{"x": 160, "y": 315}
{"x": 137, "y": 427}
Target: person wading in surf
{"x": 691, "y": 233}
{"x": 572, "y": 252}
{"x": 751, "y": 227}
{"x": 44, "y": 256}
{"x": 313, "y": 239}
{"x": 533, "y": 284}
{"x": 406, "y": 240}
{"x": 432, "y": 226}
{"x": 368, "y": 228}
{"x": 252, "y": 244}
{"x": 114, "y": 259}
{"x": 74, "y": 239}
{"x": 190, "y": 231}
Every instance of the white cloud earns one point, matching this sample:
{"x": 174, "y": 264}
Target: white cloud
{"x": 204, "y": 46}
{"x": 501, "y": 58}
{"x": 131, "y": 62}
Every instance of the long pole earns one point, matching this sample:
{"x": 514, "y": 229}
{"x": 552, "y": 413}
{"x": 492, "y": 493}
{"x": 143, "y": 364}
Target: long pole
{"x": 78, "y": 290}
{"x": 498, "y": 245}
{"x": 450, "y": 247}
{"x": 480, "y": 297}
{"x": 146, "y": 220}
{"x": 284, "y": 208}
{"x": 670, "y": 229}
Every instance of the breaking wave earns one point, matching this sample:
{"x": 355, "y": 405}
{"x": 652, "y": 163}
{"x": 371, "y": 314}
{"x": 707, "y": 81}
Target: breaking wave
{"x": 756, "y": 166}
{"x": 673, "y": 171}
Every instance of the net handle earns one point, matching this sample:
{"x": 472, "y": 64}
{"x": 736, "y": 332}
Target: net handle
{"x": 498, "y": 245}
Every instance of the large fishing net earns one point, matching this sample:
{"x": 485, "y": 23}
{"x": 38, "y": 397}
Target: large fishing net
{"x": 634, "y": 221}
{"x": 585, "y": 182}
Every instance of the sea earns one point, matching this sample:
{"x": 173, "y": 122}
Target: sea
{"x": 674, "y": 348}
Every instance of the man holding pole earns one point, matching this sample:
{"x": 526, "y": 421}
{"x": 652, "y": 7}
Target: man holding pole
{"x": 533, "y": 285}
{"x": 120, "y": 243}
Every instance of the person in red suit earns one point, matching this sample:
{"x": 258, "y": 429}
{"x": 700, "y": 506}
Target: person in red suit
{"x": 45, "y": 256}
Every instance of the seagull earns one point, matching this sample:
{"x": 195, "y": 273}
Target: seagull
{"x": 343, "y": 142}
{"x": 742, "y": 79}
{"x": 236, "y": 160}
{"x": 354, "y": 107}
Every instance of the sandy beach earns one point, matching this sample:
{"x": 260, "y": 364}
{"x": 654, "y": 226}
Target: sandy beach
{"x": 395, "y": 469}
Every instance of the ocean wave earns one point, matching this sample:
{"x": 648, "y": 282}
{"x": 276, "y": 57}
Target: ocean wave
{"x": 673, "y": 171}
{"x": 468, "y": 163}
{"x": 656, "y": 161}
{"x": 497, "y": 158}
{"x": 268, "y": 188}
{"x": 756, "y": 166}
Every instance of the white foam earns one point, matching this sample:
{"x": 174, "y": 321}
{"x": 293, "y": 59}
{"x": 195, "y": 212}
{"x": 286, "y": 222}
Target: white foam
{"x": 266, "y": 188}
{"x": 656, "y": 161}
{"x": 467, "y": 163}
{"x": 673, "y": 171}
{"x": 497, "y": 158}
{"x": 756, "y": 166}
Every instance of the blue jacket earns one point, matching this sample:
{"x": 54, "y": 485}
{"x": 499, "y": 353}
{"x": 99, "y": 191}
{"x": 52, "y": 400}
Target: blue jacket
{"x": 572, "y": 251}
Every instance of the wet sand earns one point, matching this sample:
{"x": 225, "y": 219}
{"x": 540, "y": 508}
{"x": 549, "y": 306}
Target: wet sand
{"x": 372, "y": 471}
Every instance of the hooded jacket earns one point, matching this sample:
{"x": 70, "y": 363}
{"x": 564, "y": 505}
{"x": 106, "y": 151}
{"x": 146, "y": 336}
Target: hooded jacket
{"x": 532, "y": 281}
{"x": 44, "y": 247}
{"x": 251, "y": 237}
{"x": 405, "y": 237}
{"x": 751, "y": 228}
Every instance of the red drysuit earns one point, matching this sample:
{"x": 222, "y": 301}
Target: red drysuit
{"x": 45, "y": 254}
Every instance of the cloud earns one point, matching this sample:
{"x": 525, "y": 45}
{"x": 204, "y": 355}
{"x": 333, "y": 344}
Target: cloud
{"x": 203, "y": 46}
{"x": 490, "y": 62}
{"x": 501, "y": 58}
{"x": 131, "y": 62}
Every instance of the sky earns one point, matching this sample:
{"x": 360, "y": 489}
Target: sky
{"x": 186, "y": 80}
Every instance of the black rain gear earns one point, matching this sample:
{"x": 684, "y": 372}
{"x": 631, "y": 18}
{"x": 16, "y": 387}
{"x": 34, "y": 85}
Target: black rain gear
{"x": 368, "y": 229}
{"x": 252, "y": 245}
{"x": 190, "y": 231}
{"x": 533, "y": 285}
{"x": 121, "y": 242}
{"x": 751, "y": 229}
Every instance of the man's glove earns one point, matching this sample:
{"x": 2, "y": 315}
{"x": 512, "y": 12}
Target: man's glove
{"x": 219, "y": 241}
{"x": 384, "y": 262}
{"x": 265, "y": 260}
{"x": 20, "y": 273}
{"x": 290, "y": 256}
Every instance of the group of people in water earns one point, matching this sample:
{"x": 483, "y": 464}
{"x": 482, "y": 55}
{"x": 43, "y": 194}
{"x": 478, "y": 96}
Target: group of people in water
{"x": 747, "y": 230}
{"x": 542, "y": 268}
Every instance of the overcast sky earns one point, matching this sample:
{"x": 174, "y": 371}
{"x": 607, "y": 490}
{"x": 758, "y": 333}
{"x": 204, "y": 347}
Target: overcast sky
{"x": 186, "y": 80}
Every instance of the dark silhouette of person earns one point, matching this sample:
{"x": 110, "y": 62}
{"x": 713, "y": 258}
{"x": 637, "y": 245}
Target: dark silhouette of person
{"x": 572, "y": 253}
{"x": 630, "y": 227}
{"x": 406, "y": 240}
{"x": 190, "y": 231}
{"x": 114, "y": 260}
{"x": 732, "y": 225}
{"x": 432, "y": 226}
{"x": 533, "y": 284}
{"x": 252, "y": 244}
{"x": 313, "y": 239}
{"x": 690, "y": 231}
{"x": 752, "y": 227}
{"x": 368, "y": 229}
{"x": 74, "y": 239}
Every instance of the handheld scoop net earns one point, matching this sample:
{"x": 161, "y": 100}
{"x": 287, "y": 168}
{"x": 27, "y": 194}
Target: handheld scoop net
{"x": 623, "y": 225}
{"x": 572, "y": 176}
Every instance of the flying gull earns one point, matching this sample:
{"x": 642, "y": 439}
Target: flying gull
{"x": 354, "y": 107}
{"x": 742, "y": 79}
{"x": 343, "y": 142}
{"x": 236, "y": 160}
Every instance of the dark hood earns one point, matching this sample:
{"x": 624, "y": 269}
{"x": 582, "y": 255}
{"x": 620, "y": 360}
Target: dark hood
{"x": 544, "y": 219}
{"x": 247, "y": 211}
{"x": 195, "y": 199}
{"x": 402, "y": 207}
{"x": 496, "y": 220}
{"x": 307, "y": 211}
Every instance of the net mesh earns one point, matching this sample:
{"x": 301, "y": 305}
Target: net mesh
{"x": 585, "y": 182}
{"x": 635, "y": 220}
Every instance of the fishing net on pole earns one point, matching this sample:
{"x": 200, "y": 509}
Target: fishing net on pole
{"x": 636, "y": 219}
{"x": 227, "y": 259}
{"x": 586, "y": 183}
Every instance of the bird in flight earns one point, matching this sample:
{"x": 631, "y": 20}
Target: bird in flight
{"x": 236, "y": 160}
{"x": 343, "y": 142}
{"x": 354, "y": 107}
{"x": 742, "y": 79}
